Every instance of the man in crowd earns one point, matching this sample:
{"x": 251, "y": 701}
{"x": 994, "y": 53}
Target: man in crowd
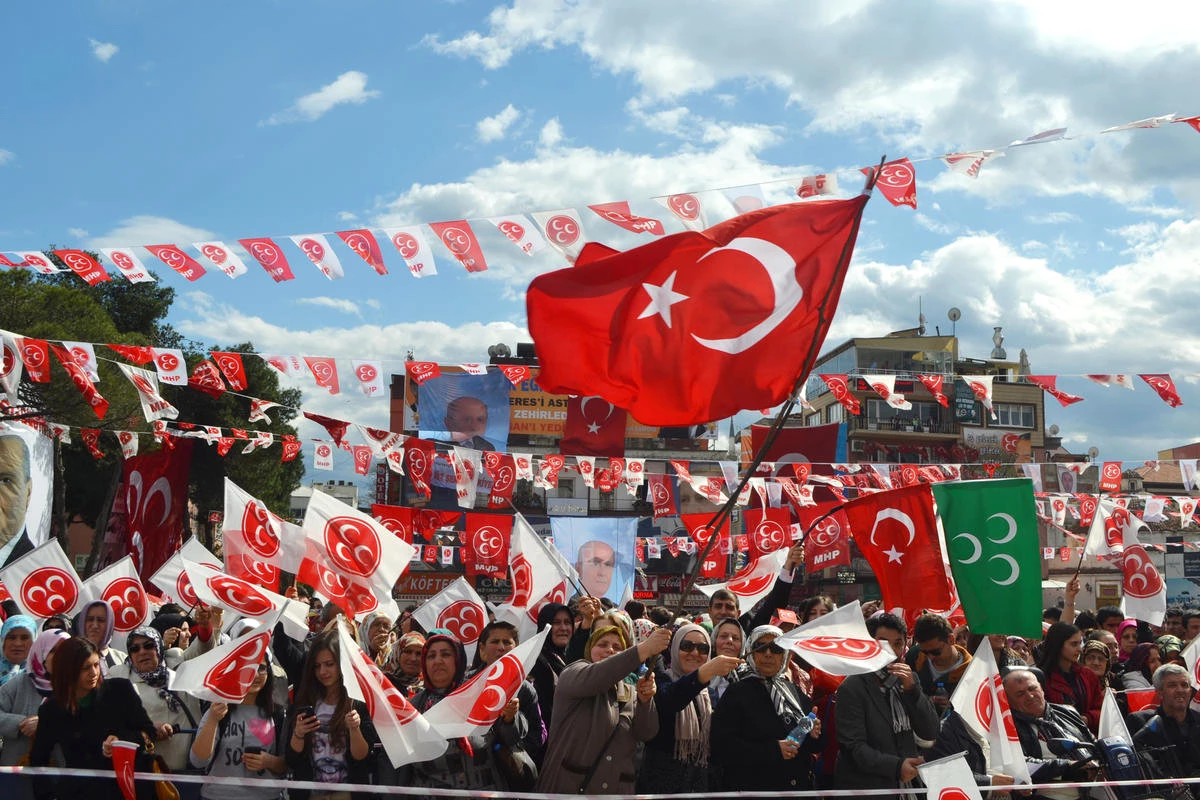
{"x": 724, "y": 604}
{"x": 1039, "y": 722}
{"x": 880, "y": 717}
{"x": 1109, "y": 618}
{"x": 937, "y": 661}
{"x": 1173, "y": 622}
{"x": 1191, "y": 625}
{"x": 1172, "y": 725}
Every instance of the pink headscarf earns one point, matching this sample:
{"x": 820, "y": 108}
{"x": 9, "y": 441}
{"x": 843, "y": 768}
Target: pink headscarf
{"x": 1125, "y": 625}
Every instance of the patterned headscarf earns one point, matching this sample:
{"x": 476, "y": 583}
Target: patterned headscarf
{"x": 43, "y": 645}
{"x": 10, "y": 669}
{"x": 781, "y": 689}
{"x": 692, "y": 721}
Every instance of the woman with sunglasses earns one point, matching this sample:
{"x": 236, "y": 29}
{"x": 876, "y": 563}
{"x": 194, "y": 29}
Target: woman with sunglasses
{"x": 752, "y": 726}
{"x": 170, "y": 711}
{"x": 676, "y": 759}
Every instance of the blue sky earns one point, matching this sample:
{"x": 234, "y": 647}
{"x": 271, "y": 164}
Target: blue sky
{"x": 150, "y": 122}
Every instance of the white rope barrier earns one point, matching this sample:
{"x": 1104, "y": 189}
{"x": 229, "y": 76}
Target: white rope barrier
{"x": 468, "y": 794}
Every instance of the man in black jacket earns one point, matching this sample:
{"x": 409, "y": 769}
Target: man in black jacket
{"x": 1174, "y": 725}
{"x": 1038, "y": 723}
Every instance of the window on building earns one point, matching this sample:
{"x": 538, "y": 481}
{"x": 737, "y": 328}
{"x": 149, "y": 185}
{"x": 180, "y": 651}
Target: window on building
{"x": 813, "y": 419}
{"x": 566, "y": 487}
{"x": 1015, "y": 415}
{"x": 836, "y": 412}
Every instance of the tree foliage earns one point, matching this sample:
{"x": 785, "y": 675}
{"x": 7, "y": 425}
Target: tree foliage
{"x": 63, "y": 308}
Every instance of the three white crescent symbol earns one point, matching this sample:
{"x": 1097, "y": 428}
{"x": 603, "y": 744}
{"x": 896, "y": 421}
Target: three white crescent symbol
{"x": 975, "y": 543}
{"x": 899, "y": 516}
{"x": 1012, "y": 565}
{"x": 781, "y": 268}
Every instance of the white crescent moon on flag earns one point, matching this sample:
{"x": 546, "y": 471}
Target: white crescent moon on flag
{"x": 1012, "y": 565}
{"x": 781, "y": 268}
{"x": 583, "y": 407}
{"x": 975, "y": 543}
{"x": 899, "y": 516}
{"x": 1012, "y": 528}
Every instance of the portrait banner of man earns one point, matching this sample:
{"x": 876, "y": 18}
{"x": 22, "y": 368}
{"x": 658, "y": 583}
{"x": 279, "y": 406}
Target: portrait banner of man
{"x": 26, "y": 489}
{"x": 602, "y": 550}
{"x": 465, "y": 410}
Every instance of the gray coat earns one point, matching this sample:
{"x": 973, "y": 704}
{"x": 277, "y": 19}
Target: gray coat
{"x": 586, "y": 711}
{"x": 175, "y": 749}
{"x": 18, "y": 700}
{"x": 870, "y": 752}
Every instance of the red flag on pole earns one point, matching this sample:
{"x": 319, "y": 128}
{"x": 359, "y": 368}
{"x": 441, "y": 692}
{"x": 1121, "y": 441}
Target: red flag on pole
{"x": 690, "y": 327}
{"x": 595, "y": 427}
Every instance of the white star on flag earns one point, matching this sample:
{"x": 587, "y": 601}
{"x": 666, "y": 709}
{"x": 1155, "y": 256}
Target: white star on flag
{"x": 893, "y": 554}
{"x": 661, "y": 299}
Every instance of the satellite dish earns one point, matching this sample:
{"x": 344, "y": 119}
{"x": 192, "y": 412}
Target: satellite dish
{"x": 954, "y": 314}
{"x": 1093, "y": 452}
{"x": 499, "y": 351}
{"x": 1053, "y": 431}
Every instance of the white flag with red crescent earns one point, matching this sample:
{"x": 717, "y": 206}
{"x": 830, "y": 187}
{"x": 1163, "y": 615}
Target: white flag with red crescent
{"x": 215, "y": 588}
{"x": 258, "y": 544}
{"x": 563, "y": 230}
{"x": 949, "y": 778}
{"x": 414, "y": 249}
{"x": 154, "y": 405}
{"x": 43, "y": 582}
{"x": 170, "y": 365}
{"x": 171, "y": 578}
{"x": 476, "y": 705}
{"x": 980, "y": 699}
{"x": 754, "y": 581}
{"x": 458, "y": 609}
{"x": 127, "y": 261}
{"x": 355, "y": 546}
{"x": 839, "y": 643}
{"x": 405, "y": 734}
{"x": 224, "y": 674}
{"x": 518, "y": 230}
{"x": 222, "y": 257}
{"x": 316, "y": 247}
{"x": 534, "y": 573}
{"x": 119, "y": 585}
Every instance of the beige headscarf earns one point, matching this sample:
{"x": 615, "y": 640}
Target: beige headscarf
{"x": 692, "y": 721}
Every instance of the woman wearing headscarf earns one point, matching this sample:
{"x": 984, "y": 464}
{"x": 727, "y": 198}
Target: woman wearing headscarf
{"x": 170, "y": 711}
{"x": 728, "y": 640}
{"x": 1096, "y": 657}
{"x": 17, "y": 636}
{"x": 552, "y": 659}
{"x": 406, "y": 674}
{"x": 752, "y": 723}
{"x": 599, "y": 718}
{"x": 468, "y": 763}
{"x": 377, "y": 640}
{"x": 1127, "y": 639}
{"x": 676, "y": 759}
{"x": 20, "y": 699}
{"x": 1140, "y": 666}
{"x": 84, "y": 715}
{"x": 95, "y": 623}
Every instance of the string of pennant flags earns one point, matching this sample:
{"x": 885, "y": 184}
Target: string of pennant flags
{"x": 560, "y": 229}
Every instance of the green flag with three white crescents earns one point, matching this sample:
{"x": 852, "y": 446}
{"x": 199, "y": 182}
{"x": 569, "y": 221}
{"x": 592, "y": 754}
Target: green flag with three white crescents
{"x": 995, "y": 557}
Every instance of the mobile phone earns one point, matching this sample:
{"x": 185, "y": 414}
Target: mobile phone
{"x": 253, "y": 751}
{"x": 304, "y": 711}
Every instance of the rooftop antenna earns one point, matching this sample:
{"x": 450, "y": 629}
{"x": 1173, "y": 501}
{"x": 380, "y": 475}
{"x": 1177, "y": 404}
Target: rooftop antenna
{"x": 954, "y": 315}
{"x": 920, "y": 317}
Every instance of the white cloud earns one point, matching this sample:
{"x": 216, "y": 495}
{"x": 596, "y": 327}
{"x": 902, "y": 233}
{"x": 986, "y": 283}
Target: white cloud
{"x": 6, "y": 156}
{"x": 146, "y": 229}
{"x": 1053, "y": 218}
{"x": 490, "y": 129}
{"x": 551, "y": 135}
{"x": 336, "y": 303}
{"x": 103, "y": 50}
{"x": 349, "y": 87}
{"x": 80, "y": 233}
{"x": 347, "y": 216}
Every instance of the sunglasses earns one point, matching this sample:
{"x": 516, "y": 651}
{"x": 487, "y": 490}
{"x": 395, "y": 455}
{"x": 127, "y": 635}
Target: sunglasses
{"x": 768, "y": 647}
{"x": 137, "y": 648}
{"x": 699, "y": 647}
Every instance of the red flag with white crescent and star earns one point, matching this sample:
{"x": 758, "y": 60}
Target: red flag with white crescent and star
{"x": 688, "y": 328}
{"x": 1165, "y": 386}
{"x": 594, "y": 427}
{"x": 897, "y": 533}
{"x": 1049, "y": 385}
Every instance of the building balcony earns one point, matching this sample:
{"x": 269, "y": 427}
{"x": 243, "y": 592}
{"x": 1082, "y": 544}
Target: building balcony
{"x": 896, "y": 425}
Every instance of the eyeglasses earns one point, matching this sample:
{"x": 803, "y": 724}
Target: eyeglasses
{"x": 768, "y": 647}
{"x": 699, "y": 647}
{"x": 137, "y": 648}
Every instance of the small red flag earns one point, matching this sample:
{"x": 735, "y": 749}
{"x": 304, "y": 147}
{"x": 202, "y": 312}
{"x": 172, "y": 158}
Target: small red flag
{"x": 659, "y": 491}
{"x": 595, "y": 427}
{"x": 461, "y": 242}
{"x": 178, "y": 260}
{"x": 1049, "y": 385}
{"x": 270, "y": 257}
{"x": 896, "y": 181}
{"x": 84, "y": 266}
{"x": 232, "y": 368}
{"x": 1165, "y": 386}
{"x": 828, "y": 541}
{"x": 485, "y": 544}
{"x": 767, "y": 531}
{"x": 363, "y": 243}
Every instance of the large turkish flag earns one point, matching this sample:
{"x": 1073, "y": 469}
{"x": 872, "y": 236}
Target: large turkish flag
{"x": 697, "y": 326}
{"x": 595, "y": 427}
{"x": 155, "y": 493}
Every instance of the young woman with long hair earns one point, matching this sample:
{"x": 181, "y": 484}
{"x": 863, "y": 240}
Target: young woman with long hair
{"x": 1067, "y": 681}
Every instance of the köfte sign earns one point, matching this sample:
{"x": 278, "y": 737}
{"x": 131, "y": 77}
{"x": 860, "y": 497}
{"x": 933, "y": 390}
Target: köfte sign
{"x": 425, "y": 583}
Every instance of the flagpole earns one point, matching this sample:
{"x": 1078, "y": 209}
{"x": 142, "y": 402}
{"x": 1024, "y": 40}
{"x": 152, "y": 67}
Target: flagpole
{"x": 725, "y": 510}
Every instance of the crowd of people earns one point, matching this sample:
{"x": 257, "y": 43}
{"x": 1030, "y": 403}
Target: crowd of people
{"x": 619, "y": 701}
